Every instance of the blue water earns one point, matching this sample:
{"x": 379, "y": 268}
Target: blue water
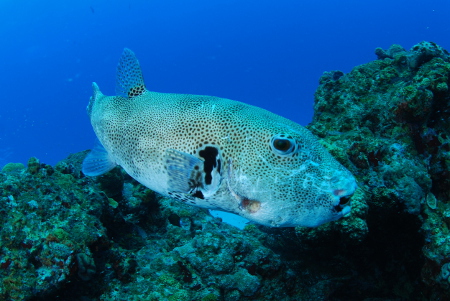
{"x": 265, "y": 53}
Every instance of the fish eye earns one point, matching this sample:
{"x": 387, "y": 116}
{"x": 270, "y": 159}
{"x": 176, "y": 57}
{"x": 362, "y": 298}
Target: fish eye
{"x": 283, "y": 145}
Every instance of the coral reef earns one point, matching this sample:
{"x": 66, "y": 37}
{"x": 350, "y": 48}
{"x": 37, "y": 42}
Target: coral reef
{"x": 44, "y": 227}
{"x": 68, "y": 237}
{"x": 388, "y": 120}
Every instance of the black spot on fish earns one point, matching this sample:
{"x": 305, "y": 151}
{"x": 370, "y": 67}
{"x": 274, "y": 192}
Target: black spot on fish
{"x": 136, "y": 91}
{"x": 210, "y": 155}
{"x": 198, "y": 194}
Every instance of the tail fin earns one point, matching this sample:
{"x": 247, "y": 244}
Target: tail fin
{"x": 129, "y": 80}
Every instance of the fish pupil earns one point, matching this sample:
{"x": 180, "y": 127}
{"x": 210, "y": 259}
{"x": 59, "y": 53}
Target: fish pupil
{"x": 282, "y": 144}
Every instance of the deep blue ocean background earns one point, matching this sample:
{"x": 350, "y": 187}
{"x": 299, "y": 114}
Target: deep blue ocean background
{"x": 265, "y": 53}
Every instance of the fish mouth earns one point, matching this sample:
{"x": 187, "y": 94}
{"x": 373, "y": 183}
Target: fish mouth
{"x": 343, "y": 200}
{"x": 344, "y": 205}
{"x": 244, "y": 203}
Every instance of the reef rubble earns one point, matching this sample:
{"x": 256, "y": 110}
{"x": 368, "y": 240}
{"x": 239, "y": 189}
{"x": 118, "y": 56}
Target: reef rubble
{"x": 65, "y": 236}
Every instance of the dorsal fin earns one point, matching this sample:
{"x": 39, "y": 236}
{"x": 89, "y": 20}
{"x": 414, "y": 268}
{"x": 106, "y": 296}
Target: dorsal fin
{"x": 129, "y": 80}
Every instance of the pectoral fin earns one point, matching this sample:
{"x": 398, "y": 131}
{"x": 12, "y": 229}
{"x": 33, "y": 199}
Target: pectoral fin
{"x": 97, "y": 162}
{"x": 191, "y": 175}
{"x": 184, "y": 171}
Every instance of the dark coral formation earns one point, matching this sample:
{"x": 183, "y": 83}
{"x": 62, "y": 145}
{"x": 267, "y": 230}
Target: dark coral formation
{"x": 388, "y": 121}
{"x": 68, "y": 237}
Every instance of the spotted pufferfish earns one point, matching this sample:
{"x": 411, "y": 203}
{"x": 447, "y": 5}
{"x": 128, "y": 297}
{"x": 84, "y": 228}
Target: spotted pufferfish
{"x": 216, "y": 153}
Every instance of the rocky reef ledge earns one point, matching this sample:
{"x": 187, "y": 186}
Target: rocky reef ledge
{"x": 68, "y": 237}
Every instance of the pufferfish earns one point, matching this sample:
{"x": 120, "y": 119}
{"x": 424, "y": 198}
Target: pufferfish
{"x": 216, "y": 153}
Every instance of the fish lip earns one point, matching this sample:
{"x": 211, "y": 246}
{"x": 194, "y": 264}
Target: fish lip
{"x": 343, "y": 210}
